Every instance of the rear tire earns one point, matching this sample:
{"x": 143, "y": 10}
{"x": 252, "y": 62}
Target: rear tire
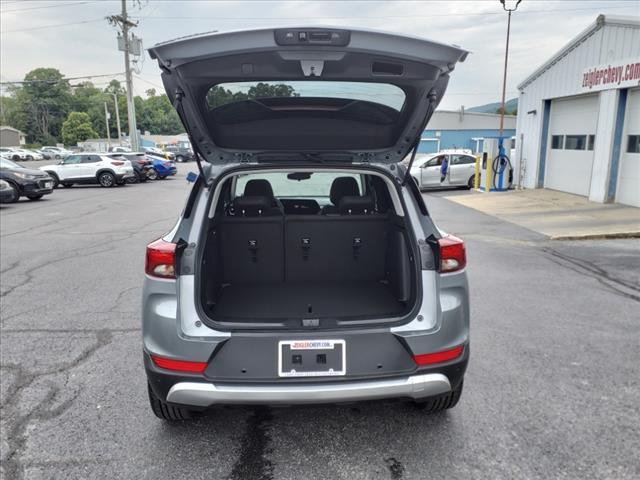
{"x": 54, "y": 177}
{"x": 135, "y": 179}
{"x": 34, "y": 197}
{"x": 472, "y": 181}
{"x": 106, "y": 179}
{"x": 441, "y": 402}
{"x": 164, "y": 411}
{"x": 67, "y": 185}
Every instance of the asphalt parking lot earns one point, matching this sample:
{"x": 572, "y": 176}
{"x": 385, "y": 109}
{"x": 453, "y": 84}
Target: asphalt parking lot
{"x": 552, "y": 390}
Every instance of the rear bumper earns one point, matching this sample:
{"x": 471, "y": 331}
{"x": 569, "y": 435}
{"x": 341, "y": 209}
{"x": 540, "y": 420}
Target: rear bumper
{"x": 207, "y": 394}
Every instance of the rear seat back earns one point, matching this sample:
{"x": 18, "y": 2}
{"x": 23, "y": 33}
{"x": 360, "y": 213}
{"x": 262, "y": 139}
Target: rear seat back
{"x": 320, "y": 248}
{"x": 252, "y": 249}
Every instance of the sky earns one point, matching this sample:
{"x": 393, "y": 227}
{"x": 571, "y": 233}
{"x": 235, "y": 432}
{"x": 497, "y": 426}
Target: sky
{"x": 74, "y": 37}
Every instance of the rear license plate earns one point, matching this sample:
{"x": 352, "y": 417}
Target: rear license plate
{"x": 311, "y": 358}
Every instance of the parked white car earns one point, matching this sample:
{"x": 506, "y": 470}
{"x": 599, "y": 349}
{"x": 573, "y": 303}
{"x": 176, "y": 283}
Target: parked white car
{"x": 17, "y": 154}
{"x": 57, "y": 152}
{"x": 426, "y": 170}
{"x": 90, "y": 168}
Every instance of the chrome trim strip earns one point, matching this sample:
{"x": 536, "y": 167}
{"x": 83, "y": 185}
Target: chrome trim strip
{"x": 206, "y": 394}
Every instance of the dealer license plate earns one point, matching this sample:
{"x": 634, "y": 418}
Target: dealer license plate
{"x": 311, "y": 358}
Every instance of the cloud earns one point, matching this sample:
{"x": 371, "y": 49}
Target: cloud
{"x": 479, "y": 26}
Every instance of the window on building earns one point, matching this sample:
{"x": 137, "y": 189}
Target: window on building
{"x": 633, "y": 144}
{"x": 592, "y": 141}
{"x": 575, "y": 142}
{"x": 557, "y": 142}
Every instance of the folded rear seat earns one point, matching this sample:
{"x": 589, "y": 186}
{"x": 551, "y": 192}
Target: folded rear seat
{"x": 350, "y": 246}
{"x": 251, "y": 242}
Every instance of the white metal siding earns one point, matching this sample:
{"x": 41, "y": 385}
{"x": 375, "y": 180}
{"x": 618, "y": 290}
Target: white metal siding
{"x": 629, "y": 173}
{"x": 564, "y": 79}
{"x": 570, "y": 170}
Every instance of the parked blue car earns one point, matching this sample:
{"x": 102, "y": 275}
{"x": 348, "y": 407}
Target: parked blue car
{"x": 162, "y": 167}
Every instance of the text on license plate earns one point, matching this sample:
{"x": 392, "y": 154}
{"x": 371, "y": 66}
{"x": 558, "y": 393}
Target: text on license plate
{"x": 311, "y": 358}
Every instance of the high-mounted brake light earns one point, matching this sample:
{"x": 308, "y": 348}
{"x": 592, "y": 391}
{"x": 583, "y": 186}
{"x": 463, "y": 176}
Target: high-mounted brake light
{"x": 179, "y": 365}
{"x": 438, "y": 357}
{"x": 117, "y": 164}
{"x": 160, "y": 261}
{"x": 452, "y": 254}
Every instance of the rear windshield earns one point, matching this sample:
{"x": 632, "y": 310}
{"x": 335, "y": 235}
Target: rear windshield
{"x": 317, "y": 185}
{"x": 381, "y": 93}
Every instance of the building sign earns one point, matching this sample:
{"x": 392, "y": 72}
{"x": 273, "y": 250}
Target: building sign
{"x": 620, "y": 74}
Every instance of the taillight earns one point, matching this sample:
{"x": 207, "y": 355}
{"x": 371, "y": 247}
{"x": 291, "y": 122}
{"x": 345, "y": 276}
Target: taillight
{"x": 160, "y": 261}
{"x": 167, "y": 164}
{"x": 117, "y": 164}
{"x": 438, "y": 357}
{"x": 179, "y": 365}
{"x": 452, "y": 254}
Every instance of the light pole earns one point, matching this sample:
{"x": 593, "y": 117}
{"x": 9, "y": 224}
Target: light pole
{"x": 506, "y": 58}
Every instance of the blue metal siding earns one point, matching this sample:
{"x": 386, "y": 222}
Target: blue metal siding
{"x": 617, "y": 143}
{"x": 458, "y": 139}
{"x": 546, "y": 116}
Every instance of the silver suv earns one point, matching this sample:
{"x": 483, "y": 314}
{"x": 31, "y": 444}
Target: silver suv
{"x": 305, "y": 267}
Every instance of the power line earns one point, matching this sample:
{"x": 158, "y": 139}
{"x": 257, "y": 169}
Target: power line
{"x": 23, "y": 82}
{"x": 347, "y": 17}
{"x": 45, "y": 6}
{"x": 147, "y": 81}
{"x": 52, "y": 26}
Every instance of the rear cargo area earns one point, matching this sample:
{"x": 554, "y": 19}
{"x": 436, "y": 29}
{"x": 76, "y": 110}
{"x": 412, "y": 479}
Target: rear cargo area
{"x": 284, "y": 268}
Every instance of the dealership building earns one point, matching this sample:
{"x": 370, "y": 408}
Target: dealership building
{"x": 578, "y": 125}
{"x": 461, "y": 129}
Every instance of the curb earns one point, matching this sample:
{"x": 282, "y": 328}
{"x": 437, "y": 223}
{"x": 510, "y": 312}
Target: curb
{"x": 597, "y": 236}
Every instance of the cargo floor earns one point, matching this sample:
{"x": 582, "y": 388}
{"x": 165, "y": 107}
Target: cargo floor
{"x": 307, "y": 300}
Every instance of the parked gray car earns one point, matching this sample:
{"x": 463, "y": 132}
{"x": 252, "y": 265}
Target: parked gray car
{"x": 305, "y": 267}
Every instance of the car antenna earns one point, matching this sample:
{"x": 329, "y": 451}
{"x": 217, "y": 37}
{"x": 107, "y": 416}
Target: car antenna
{"x": 432, "y": 96}
{"x": 196, "y": 149}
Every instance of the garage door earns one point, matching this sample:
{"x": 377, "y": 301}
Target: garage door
{"x": 629, "y": 173}
{"x": 572, "y": 128}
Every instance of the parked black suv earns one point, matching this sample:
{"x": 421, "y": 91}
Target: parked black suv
{"x": 181, "y": 154}
{"x": 25, "y": 182}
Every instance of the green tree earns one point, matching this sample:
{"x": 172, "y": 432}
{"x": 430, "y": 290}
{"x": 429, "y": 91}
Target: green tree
{"x": 10, "y": 111}
{"x": 45, "y": 97}
{"x": 156, "y": 115}
{"x": 77, "y": 128}
{"x": 218, "y": 96}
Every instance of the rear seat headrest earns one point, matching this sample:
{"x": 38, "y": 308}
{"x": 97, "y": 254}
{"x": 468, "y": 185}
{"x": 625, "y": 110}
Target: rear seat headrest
{"x": 258, "y": 188}
{"x": 356, "y": 205}
{"x": 343, "y": 187}
{"x": 253, "y": 206}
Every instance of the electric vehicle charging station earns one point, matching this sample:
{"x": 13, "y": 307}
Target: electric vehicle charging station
{"x": 496, "y": 171}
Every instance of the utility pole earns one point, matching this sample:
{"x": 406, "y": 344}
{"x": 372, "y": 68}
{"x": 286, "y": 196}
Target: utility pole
{"x": 125, "y": 24}
{"x": 106, "y": 120}
{"x": 115, "y": 101}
